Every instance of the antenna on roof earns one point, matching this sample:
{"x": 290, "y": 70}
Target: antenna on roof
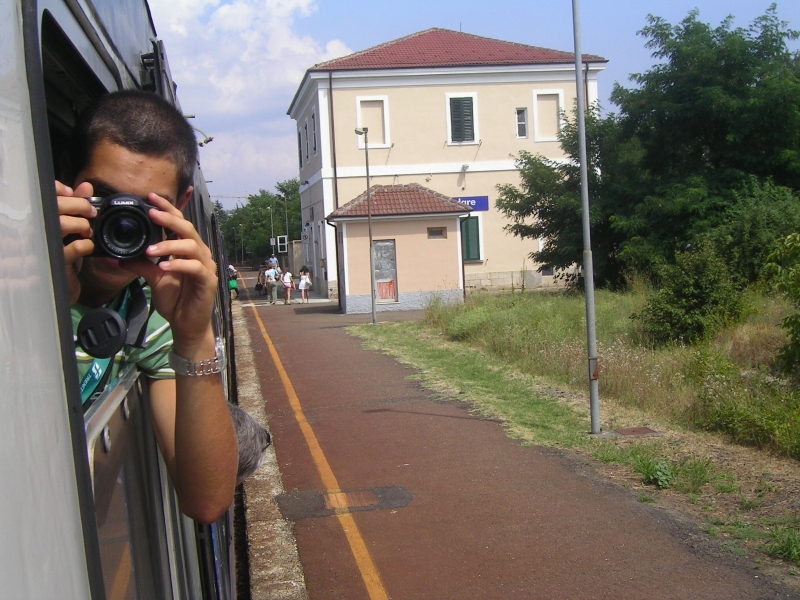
{"x": 459, "y": 26}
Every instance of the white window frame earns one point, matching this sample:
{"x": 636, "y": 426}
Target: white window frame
{"x": 387, "y": 142}
{"x": 314, "y": 130}
{"x": 517, "y": 123}
{"x": 305, "y": 130}
{"x": 474, "y": 96}
{"x": 537, "y": 137}
{"x": 300, "y": 147}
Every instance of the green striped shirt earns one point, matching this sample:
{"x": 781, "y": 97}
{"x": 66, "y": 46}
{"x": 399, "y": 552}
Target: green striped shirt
{"x": 152, "y": 360}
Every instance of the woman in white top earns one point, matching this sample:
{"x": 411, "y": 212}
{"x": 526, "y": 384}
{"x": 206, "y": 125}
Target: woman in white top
{"x": 288, "y": 285}
{"x": 305, "y": 284}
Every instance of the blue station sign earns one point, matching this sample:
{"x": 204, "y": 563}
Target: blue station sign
{"x": 474, "y": 202}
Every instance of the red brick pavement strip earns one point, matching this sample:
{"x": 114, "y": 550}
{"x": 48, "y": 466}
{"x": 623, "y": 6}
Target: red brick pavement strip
{"x": 489, "y": 518}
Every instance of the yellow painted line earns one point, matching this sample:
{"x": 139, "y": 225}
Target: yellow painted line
{"x": 369, "y": 572}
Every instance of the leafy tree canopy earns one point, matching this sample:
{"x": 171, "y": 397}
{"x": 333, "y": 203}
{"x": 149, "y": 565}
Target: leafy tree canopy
{"x": 711, "y": 134}
{"x": 265, "y": 214}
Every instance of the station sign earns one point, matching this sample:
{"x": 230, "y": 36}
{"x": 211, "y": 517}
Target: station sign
{"x": 474, "y": 202}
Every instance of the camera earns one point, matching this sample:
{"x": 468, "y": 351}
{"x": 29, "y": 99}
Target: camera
{"x": 122, "y": 227}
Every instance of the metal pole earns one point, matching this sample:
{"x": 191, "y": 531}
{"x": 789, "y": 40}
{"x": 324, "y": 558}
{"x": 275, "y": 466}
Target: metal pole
{"x": 242, "y": 227}
{"x": 271, "y": 231}
{"x": 369, "y": 226}
{"x": 286, "y": 208}
{"x": 588, "y": 267}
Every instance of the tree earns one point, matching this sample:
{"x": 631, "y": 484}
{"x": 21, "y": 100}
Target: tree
{"x": 704, "y": 132}
{"x": 263, "y": 215}
{"x": 547, "y": 205}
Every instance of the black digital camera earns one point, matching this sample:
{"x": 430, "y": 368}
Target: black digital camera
{"x": 122, "y": 227}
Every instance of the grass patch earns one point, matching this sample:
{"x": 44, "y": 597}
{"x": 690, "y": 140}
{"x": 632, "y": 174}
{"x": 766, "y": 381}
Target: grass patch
{"x": 466, "y": 373}
{"x": 726, "y": 384}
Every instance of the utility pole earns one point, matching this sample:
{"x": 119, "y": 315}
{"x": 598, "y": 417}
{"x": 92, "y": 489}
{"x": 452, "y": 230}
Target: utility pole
{"x": 363, "y": 131}
{"x": 588, "y": 266}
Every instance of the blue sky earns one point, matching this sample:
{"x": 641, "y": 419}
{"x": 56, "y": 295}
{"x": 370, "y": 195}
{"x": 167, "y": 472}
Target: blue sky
{"x": 238, "y": 64}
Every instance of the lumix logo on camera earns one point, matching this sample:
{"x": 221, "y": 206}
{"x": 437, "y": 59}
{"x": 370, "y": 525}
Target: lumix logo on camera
{"x": 122, "y": 227}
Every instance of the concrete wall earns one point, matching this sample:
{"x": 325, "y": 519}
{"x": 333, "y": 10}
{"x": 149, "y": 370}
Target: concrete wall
{"x": 426, "y": 268}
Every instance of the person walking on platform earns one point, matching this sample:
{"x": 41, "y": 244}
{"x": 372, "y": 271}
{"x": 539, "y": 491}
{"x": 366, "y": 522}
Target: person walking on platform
{"x": 305, "y": 284}
{"x": 288, "y": 285}
{"x": 271, "y": 283}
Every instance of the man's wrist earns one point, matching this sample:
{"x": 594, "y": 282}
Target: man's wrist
{"x": 195, "y": 349}
{"x": 193, "y": 367}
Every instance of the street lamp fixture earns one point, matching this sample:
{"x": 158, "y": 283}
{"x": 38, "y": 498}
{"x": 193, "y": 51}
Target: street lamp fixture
{"x": 364, "y": 131}
{"x": 206, "y": 138}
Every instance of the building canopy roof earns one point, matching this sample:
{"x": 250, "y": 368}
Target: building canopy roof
{"x": 397, "y": 200}
{"x": 437, "y": 47}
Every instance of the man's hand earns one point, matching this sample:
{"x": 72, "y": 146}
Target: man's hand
{"x": 74, "y": 213}
{"x": 185, "y": 286}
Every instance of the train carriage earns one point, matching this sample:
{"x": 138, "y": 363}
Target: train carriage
{"x": 87, "y": 508}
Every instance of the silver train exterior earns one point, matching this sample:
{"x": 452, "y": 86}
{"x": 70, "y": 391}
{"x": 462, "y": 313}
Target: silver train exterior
{"x": 86, "y": 508}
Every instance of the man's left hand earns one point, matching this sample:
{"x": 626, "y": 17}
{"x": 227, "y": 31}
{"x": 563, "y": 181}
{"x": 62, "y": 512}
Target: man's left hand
{"x": 184, "y": 286}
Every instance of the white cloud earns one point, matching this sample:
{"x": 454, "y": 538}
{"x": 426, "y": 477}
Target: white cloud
{"x": 238, "y": 64}
{"x": 240, "y": 57}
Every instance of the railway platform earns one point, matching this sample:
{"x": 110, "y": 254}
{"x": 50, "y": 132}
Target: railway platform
{"x": 390, "y": 492}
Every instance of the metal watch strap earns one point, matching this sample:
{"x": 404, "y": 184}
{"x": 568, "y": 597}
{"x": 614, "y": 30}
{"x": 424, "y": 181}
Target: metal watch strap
{"x": 191, "y": 368}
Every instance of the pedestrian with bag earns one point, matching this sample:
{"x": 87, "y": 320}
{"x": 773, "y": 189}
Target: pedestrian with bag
{"x": 271, "y": 281}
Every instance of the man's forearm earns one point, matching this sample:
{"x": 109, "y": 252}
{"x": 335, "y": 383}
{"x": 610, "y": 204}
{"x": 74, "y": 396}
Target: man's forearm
{"x": 206, "y": 453}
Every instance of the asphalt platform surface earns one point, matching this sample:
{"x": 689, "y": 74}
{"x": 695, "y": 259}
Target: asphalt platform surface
{"x": 447, "y": 506}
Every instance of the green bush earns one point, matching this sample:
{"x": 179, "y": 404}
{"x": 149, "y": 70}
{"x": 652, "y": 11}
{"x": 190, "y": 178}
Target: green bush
{"x": 762, "y": 213}
{"x": 784, "y": 270}
{"x": 696, "y": 297}
{"x": 655, "y": 471}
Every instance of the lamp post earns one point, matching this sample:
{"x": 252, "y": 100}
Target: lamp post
{"x": 271, "y": 231}
{"x": 588, "y": 267}
{"x": 242, "y": 238}
{"x": 235, "y": 255}
{"x": 364, "y": 131}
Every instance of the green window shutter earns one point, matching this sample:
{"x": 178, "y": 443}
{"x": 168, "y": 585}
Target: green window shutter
{"x": 470, "y": 244}
{"x": 462, "y": 122}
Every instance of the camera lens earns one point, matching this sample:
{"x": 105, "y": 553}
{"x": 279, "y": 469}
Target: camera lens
{"x": 125, "y": 234}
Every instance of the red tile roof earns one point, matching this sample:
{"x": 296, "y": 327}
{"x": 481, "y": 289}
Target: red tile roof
{"x": 408, "y": 199}
{"x": 446, "y": 48}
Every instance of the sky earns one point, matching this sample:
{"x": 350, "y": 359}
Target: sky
{"x": 239, "y": 63}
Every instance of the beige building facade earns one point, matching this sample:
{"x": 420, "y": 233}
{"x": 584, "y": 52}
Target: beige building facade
{"x": 443, "y": 109}
{"x": 416, "y": 236}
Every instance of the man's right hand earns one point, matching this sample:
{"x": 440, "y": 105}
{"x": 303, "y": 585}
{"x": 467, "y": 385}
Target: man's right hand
{"x": 74, "y": 213}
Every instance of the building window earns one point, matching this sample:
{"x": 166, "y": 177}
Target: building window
{"x": 306, "y": 130}
{"x": 522, "y": 122}
{"x": 470, "y": 238}
{"x": 300, "y": 147}
{"x": 437, "y": 233}
{"x": 373, "y": 113}
{"x": 314, "y": 131}
{"x": 548, "y": 107}
{"x": 462, "y": 123}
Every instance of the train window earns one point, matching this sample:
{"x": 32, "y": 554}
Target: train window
{"x": 70, "y": 86}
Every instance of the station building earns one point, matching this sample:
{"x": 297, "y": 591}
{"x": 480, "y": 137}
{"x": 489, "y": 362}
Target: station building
{"x": 443, "y": 109}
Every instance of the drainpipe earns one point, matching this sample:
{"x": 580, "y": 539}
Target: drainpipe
{"x": 339, "y": 283}
{"x": 333, "y": 142}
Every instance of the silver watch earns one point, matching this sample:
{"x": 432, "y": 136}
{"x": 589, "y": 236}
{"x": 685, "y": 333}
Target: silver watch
{"x": 191, "y": 368}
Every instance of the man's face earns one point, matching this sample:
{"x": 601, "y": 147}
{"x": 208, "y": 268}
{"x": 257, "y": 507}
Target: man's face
{"x": 111, "y": 169}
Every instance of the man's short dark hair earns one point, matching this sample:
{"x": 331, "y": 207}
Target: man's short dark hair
{"x": 141, "y": 122}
